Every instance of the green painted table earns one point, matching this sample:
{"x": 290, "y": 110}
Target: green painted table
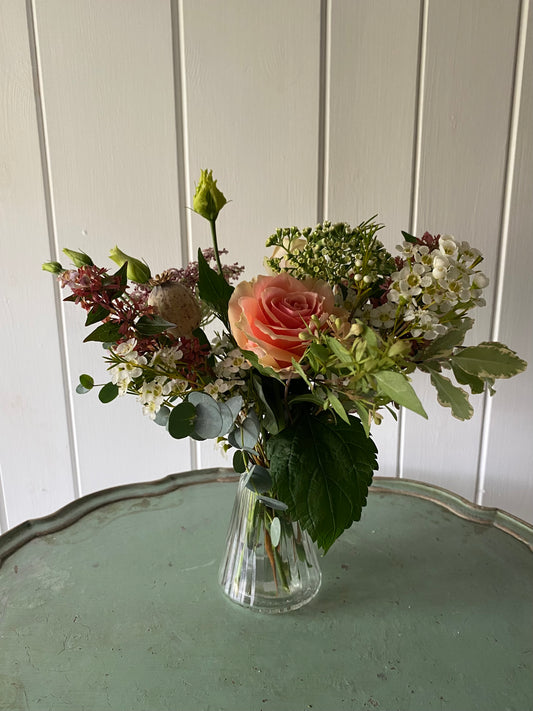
{"x": 113, "y": 603}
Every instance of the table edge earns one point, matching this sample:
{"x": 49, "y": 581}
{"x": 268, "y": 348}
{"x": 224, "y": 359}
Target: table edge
{"x": 25, "y": 532}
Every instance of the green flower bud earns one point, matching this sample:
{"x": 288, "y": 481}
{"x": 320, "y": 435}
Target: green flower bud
{"x": 79, "y": 259}
{"x": 137, "y": 271}
{"x": 53, "y": 267}
{"x": 208, "y": 201}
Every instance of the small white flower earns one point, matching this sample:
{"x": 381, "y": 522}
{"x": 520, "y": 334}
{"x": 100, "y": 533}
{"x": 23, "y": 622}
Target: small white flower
{"x": 448, "y": 246}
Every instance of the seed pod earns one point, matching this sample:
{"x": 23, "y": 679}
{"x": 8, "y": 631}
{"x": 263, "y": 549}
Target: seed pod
{"x": 175, "y": 303}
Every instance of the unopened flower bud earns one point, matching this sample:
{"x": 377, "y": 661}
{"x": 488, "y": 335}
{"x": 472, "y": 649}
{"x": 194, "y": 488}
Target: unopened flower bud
{"x": 208, "y": 201}
{"x": 79, "y": 259}
{"x": 137, "y": 271}
{"x": 53, "y": 267}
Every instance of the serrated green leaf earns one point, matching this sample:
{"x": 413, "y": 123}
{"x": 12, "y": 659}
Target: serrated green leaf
{"x": 108, "y": 392}
{"x": 105, "y": 333}
{"x": 213, "y": 288}
{"x": 181, "y": 420}
{"x": 396, "y": 386}
{"x": 152, "y": 325}
{"x": 322, "y": 470}
{"x": 489, "y": 360}
{"x": 450, "y": 395}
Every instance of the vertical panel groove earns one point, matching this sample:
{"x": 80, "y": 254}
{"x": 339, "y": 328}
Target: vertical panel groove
{"x": 51, "y": 229}
{"x": 504, "y": 233}
{"x": 4, "y": 523}
{"x": 323, "y": 110}
{"x": 182, "y": 153}
{"x": 415, "y": 178}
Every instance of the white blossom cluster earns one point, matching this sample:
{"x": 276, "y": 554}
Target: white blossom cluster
{"x": 228, "y": 370}
{"x": 431, "y": 284}
{"x": 152, "y": 393}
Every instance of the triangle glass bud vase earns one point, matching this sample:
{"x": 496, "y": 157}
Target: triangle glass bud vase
{"x": 269, "y": 565}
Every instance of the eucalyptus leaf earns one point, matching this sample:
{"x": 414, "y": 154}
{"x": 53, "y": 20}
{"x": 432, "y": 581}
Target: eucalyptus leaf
{"x": 181, "y": 420}
{"x": 108, "y": 392}
{"x": 245, "y": 436}
{"x": 259, "y": 480}
{"x": 86, "y": 381}
{"x": 240, "y": 461}
{"x": 162, "y": 415}
{"x": 275, "y": 531}
{"x": 396, "y": 386}
{"x": 450, "y": 395}
{"x": 209, "y": 421}
{"x": 322, "y": 470}
{"x": 272, "y": 503}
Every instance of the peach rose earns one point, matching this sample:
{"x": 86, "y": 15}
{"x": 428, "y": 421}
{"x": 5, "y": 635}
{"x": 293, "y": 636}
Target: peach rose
{"x": 267, "y": 315}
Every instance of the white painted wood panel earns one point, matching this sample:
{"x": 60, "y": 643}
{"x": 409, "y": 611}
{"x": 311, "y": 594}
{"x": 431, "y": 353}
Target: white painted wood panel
{"x": 35, "y": 467}
{"x": 252, "y": 98}
{"x": 508, "y": 479}
{"x": 371, "y": 117}
{"x": 123, "y": 158}
{"x": 466, "y": 113}
{"x": 107, "y": 82}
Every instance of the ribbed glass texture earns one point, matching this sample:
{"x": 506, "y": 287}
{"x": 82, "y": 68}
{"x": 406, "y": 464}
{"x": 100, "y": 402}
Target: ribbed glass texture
{"x": 270, "y": 564}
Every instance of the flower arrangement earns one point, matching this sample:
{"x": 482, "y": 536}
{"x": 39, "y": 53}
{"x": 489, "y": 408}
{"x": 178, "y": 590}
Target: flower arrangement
{"x": 301, "y": 361}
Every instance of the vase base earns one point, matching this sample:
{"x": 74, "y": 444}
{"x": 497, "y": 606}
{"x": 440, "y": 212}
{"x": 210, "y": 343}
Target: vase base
{"x": 273, "y": 604}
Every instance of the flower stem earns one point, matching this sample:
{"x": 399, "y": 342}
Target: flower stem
{"x": 215, "y": 245}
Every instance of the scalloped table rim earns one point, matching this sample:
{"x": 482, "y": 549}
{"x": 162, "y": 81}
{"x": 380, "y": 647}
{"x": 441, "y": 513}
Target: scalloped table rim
{"x": 18, "y": 536}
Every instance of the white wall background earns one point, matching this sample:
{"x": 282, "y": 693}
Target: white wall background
{"x": 419, "y": 110}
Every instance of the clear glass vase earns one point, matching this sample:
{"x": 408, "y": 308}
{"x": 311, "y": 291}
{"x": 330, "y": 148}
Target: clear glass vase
{"x": 270, "y": 564}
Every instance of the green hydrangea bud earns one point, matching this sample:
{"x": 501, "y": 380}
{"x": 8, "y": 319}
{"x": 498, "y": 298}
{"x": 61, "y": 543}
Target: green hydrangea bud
{"x": 79, "y": 259}
{"x": 53, "y": 267}
{"x": 208, "y": 201}
{"x": 137, "y": 271}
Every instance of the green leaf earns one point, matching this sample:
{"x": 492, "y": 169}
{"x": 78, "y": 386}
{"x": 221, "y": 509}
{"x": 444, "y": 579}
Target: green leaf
{"x": 87, "y": 382}
{"x": 81, "y": 390}
{"x": 97, "y": 313}
{"x": 342, "y": 353}
{"x": 162, "y": 415}
{"x": 269, "y": 421}
{"x": 443, "y": 345}
{"x": 106, "y": 333}
{"x": 263, "y": 369}
{"x": 240, "y": 461}
{"x": 272, "y": 503}
{"x": 181, "y": 420}
{"x": 152, "y": 325}
{"x": 489, "y": 360}
{"x": 336, "y": 404}
{"x": 245, "y": 436}
{"x": 209, "y": 421}
{"x": 322, "y": 470}
{"x": 476, "y": 385}
{"x": 451, "y": 396}
{"x": 259, "y": 480}
{"x": 213, "y": 288}
{"x": 409, "y": 238}
{"x": 398, "y": 389}
{"x": 108, "y": 392}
